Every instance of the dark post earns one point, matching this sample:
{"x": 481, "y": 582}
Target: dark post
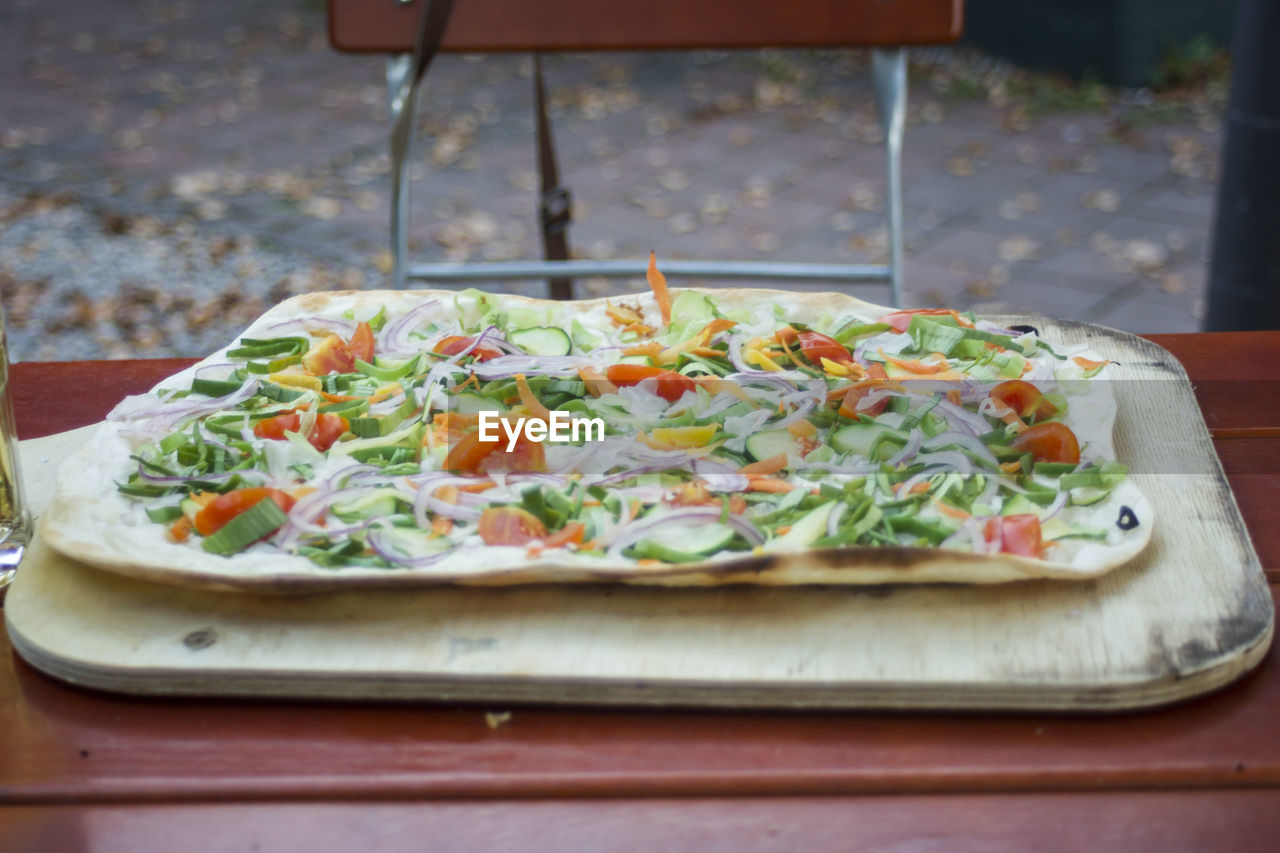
{"x": 1244, "y": 273}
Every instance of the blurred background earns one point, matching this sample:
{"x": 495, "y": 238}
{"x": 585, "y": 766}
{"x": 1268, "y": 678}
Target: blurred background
{"x": 168, "y": 170}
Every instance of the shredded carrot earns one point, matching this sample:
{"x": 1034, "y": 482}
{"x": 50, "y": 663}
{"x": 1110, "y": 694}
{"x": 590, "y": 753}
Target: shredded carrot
{"x": 658, "y": 284}
{"x": 1088, "y": 363}
{"x": 596, "y": 382}
{"x": 953, "y": 397}
{"x": 442, "y": 524}
{"x": 922, "y": 486}
{"x": 648, "y": 561}
{"x": 772, "y": 465}
{"x": 180, "y": 530}
{"x": 783, "y": 530}
{"x": 531, "y": 401}
{"x": 950, "y": 511}
{"x": 1011, "y": 467}
{"x": 641, "y": 329}
{"x": 650, "y": 348}
{"x": 482, "y": 486}
{"x": 448, "y": 494}
{"x": 338, "y": 398}
{"x": 571, "y": 532}
{"x": 622, "y": 315}
{"x": 737, "y": 504}
{"x": 791, "y": 355}
{"x": 768, "y": 484}
{"x": 917, "y": 366}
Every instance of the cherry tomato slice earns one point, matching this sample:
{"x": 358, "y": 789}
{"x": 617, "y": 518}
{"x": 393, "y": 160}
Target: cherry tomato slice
{"x": 1025, "y": 399}
{"x": 329, "y": 355}
{"x": 324, "y": 434}
{"x": 849, "y": 406}
{"x": 668, "y": 384}
{"x": 1048, "y": 442}
{"x": 510, "y": 525}
{"x": 455, "y": 344}
{"x": 214, "y": 516}
{"x": 471, "y": 455}
{"x": 361, "y": 344}
{"x": 466, "y": 454}
{"x": 1019, "y": 534}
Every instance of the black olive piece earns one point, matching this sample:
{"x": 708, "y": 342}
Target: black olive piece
{"x": 1025, "y": 329}
{"x": 1127, "y": 520}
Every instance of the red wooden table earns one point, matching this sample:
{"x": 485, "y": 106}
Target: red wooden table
{"x": 87, "y": 770}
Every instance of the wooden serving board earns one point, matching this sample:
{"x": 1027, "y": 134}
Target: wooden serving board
{"x": 1190, "y": 615}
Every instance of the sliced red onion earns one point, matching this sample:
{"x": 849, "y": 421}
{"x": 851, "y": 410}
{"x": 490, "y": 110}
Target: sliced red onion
{"x": 1056, "y": 507}
{"x": 222, "y": 368}
{"x": 332, "y": 325}
{"x": 508, "y": 366}
{"x": 953, "y": 459}
{"x": 967, "y": 538}
{"x": 426, "y": 500}
{"x": 395, "y": 335}
{"x": 378, "y": 541}
{"x": 726, "y": 483}
{"x": 874, "y": 397}
{"x": 962, "y": 419}
{"x": 833, "y": 518}
{"x": 965, "y": 440}
{"x": 639, "y": 530}
{"x": 909, "y": 450}
{"x": 904, "y": 488}
{"x": 167, "y": 417}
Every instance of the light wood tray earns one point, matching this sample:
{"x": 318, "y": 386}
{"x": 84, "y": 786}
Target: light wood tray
{"x": 1190, "y": 615}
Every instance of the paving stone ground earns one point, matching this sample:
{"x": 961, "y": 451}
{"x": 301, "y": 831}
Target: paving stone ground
{"x": 170, "y": 169}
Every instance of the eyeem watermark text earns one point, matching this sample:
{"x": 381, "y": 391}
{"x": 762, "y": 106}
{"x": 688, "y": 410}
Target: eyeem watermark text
{"x": 561, "y": 428}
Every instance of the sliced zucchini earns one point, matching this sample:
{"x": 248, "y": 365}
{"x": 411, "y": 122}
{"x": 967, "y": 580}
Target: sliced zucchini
{"x": 373, "y": 505}
{"x": 858, "y": 438}
{"x": 1088, "y": 495}
{"x": 469, "y": 403}
{"x": 771, "y": 442}
{"x": 682, "y": 544}
{"x": 542, "y": 340}
{"x": 811, "y": 527}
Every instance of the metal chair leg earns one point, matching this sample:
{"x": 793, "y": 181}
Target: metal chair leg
{"x": 889, "y": 71}
{"x": 402, "y": 99}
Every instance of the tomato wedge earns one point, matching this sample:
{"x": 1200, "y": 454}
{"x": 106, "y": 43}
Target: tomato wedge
{"x": 454, "y": 344}
{"x": 510, "y": 525}
{"x": 1019, "y": 534}
{"x": 324, "y": 434}
{"x": 361, "y": 344}
{"x": 668, "y": 384}
{"x": 215, "y": 515}
{"x": 1049, "y": 442}
{"x": 329, "y": 355}
{"x": 1025, "y": 399}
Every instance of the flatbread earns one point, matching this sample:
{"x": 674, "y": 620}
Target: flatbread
{"x": 89, "y": 520}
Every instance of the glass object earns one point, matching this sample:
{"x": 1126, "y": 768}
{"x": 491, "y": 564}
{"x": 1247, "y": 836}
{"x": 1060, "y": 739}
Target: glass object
{"x": 15, "y": 521}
